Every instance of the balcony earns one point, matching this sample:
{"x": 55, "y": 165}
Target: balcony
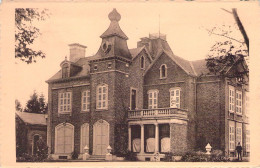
{"x": 158, "y": 113}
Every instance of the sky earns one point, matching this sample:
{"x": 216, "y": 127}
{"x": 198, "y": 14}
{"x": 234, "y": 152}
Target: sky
{"x": 184, "y": 25}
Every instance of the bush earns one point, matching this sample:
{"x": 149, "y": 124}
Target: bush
{"x": 31, "y": 158}
{"x": 199, "y": 156}
{"x": 195, "y": 157}
{"x": 218, "y": 156}
{"x": 168, "y": 157}
{"x": 130, "y": 156}
{"x": 74, "y": 155}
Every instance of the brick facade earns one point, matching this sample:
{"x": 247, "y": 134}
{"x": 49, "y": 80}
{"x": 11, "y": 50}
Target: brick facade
{"x": 202, "y": 117}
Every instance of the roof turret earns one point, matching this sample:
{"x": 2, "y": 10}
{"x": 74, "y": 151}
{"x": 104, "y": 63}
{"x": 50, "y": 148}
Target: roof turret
{"x": 114, "y": 28}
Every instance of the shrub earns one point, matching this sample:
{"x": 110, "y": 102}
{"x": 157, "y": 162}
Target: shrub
{"x": 168, "y": 157}
{"x": 31, "y": 158}
{"x": 130, "y": 156}
{"x": 199, "y": 156}
{"x": 74, "y": 155}
{"x": 195, "y": 157}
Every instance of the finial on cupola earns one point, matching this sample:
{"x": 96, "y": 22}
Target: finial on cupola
{"x": 114, "y": 15}
{"x": 65, "y": 57}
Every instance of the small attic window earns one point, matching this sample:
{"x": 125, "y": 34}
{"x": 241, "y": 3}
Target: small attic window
{"x": 163, "y": 71}
{"x": 95, "y": 67}
{"x": 65, "y": 71}
{"x": 142, "y": 61}
{"x": 109, "y": 65}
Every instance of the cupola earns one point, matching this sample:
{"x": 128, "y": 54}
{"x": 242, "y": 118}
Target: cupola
{"x": 114, "y": 39}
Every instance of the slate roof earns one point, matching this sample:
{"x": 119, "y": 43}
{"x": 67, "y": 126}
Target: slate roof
{"x": 32, "y": 118}
{"x": 200, "y": 67}
{"x": 83, "y": 62}
{"x": 135, "y": 51}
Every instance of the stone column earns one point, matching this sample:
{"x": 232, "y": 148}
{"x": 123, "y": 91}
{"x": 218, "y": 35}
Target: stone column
{"x": 129, "y": 138}
{"x": 156, "y": 149}
{"x": 142, "y": 138}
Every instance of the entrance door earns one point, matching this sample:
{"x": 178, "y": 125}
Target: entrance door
{"x": 101, "y": 137}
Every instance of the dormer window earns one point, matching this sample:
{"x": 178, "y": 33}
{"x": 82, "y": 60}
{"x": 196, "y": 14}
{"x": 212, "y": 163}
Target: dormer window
{"x": 95, "y": 67}
{"x": 163, "y": 71}
{"x": 65, "y": 71}
{"x": 109, "y": 65}
{"x": 142, "y": 62}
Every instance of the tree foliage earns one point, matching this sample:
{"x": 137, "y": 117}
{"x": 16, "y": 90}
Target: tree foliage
{"x": 26, "y": 33}
{"x": 36, "y": 104}
{"x": 18, "y": 106}
{"x": 230, "y": 50}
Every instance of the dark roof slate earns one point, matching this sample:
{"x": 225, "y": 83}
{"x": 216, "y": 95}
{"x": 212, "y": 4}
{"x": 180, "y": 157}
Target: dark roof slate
{"x": 32, "y": 118}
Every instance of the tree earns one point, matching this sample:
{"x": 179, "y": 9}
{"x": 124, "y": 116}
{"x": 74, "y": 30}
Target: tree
{"x": 230, "y": 51}
{"x": 36, "y": 105}
{"x": 43, "y": 105}
{"x": 18, "y": 105}
{"x": 26, "y": 33}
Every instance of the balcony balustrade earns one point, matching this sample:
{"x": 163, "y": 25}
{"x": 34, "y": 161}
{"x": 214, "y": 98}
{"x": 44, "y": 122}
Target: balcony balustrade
{"x": 157, "y": 113}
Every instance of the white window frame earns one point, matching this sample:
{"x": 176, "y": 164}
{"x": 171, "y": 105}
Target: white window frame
{"x": 231, "y": 135}
{"x": 102, "y": 100}
{"x": 85, "y": 105}
{"x": 64, "y": 97}
{"x": 84, "y": 126}
{"x": 56, "y": 137}
{"x": 231, "y": 99}
{"x": 239, "y": 133}
{"x": 246, "y": 103}
{"x": 153, "y": 96}
{"x": 142, "y": 66}
{"x": 161, "y": 77}
{"x": 247, "y": 139}
{"x": 239, "y": 102}
{"x": 175, "y": 95}
{"x": 131, "y": 98}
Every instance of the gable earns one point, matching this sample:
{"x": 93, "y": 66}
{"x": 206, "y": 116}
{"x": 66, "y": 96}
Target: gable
{"x": 174, "y": 71}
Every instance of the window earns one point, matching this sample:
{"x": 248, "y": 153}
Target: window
{"x": 65, "y": 71}
{"x": 84, "y": 137}
{"x": 175, "y": 97}
{"x": 163, "y": 71}
{"x": 85, "y": 100}
{"x": 95, "y": 67}
{"x": 238, "y": 102}
{"x": 142, "y": 62}
{"x": 109, "y": 65}
{"x": 246, "y": 103}
{"x": 231, "y": 135}
{"x": 231, "y": 99}
{"x": 247, "y": 139}
{"x": 102, "y": 97}
{"x": 64, "y": 138}
{"x": 153, "y": 99}
{"x": 65, "y": 102}
{"x": 239, "y": 133}
{"x": 133, "y": 99}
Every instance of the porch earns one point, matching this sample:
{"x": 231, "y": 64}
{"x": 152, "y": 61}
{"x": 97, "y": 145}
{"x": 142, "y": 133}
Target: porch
{"x": 154, "y": 132}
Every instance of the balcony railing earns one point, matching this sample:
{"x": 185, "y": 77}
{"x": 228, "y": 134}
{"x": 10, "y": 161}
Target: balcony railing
{"x": 155, "y": 113}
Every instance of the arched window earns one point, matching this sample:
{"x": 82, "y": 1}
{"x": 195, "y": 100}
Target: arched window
{"x": 64, "y": 138}
{"x": 102, "y": 96}
{"x": 84, "y": 137}
{"x": 142, "y": 62}
{"x": 65, "y": 70}
{"x": 163, "y": 71}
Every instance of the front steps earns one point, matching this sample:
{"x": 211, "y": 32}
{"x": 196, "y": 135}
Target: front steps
{"x": 96, "y": 158}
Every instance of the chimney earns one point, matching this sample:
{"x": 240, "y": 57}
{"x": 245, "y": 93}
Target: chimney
{"x": 77, "y": 51}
